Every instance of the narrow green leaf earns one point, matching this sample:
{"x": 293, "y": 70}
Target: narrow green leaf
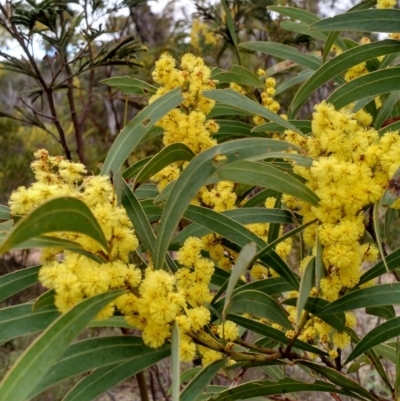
{"x": 147, "y": 191}
{"x": 385, "y": 312}
{"x": 273, "y": 334}
{"x": 307, "y": 282}
{"x": 386, "y": 110}
{"x": 195, "y": 175}
{"x": 267, "y": 176}
{"x": 130, "y": 86}
{"x": 302, "y": 29}
{"x": 290, "y": 82}
{"x": 4, "y": 212}
{"x": 364, "y": 20}
{"x": 105, "y": 378}
{"x": 17, "y": 321}
{"x": 258, "y": 304}
{"x": 37, "y": 360}
{"x": 242, "y": 216}
{"x": 134, "y": 169}
{"x": 241, "y": 102}
{"x": 114, "y": 321}
{"x": 376, "y": 336}
{"x": 372, "y": 84}
{"x": 284, "y": 52}
{"x": 303, "y": 125}
{"x": 170, "y": 154}
{"x": 229, "y": 23}
{"x": 342, "y": 63}
{"x": 243, "y": 261}
{"x": 239, "y": 75}
{"x": 229, "y": 129}
{"x": 132, "y": 134}
{"x": 320, "y": 271}
{"x": 200, "y": 381}
{"x": 59, "y": 214}
{"x": 44, "y": 300}
{"x": 296, "y": 13}
{"x": 224, "y": 110}
{"x": 14, "y": 282}
{"x": 265, "y": 387}
{"x": 91, "y": 354}
{"x": 379, "y": 295}
{"x": 260, "y": 198}
{"x": 339, "y": 379}
{"x": 175, "y": 362}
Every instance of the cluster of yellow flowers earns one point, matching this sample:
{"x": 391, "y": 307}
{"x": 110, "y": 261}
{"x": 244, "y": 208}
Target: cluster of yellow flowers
{"x": 386, "y": 3}
{"x": 201, "y": 30}
{"x": 267, "y": 99}
{"x": 352, "y": 166}
{"x": 154, "y": 298}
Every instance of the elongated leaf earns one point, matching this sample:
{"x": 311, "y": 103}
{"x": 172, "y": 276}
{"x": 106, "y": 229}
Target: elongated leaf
{"x": 303, "y": 125}
{"x": 272, "y": 333}
{"x": 296, "y": 13}
{"x": 243, "y": 261}
{"x": 239, "y": 75}
{"x": 130, "y": 86}
{"x": 258, "y": 304}
{"x": 17, "y": 321}
{"x": 138, "y": 217}
{"x": 393, "y": 262}
{"x": 386, "y": 110}
{"x": 132, "y": 134}
{"x": 170, "y": 154}
{"x": 302, "y": 29}
{"x": 15, "y": 282}
{"x": 385, "y": 312}
{"x": 269, "y": 286}
{"x": 376, "y": 336}
{"x": 379, "y": 295}
{"x": 267, "y": 176}
{"x": 230, "y": 25}
{"x": 200, "y": 381}
{"x": 242, "y": 216}
{"x": 266, "y": 387}
{"x": 284, "y": 52}
{"x": 340, "y": 64}
{"x": 365, "y": 21}
{"x": 196, "y": 174}
{"x": 339, "y": 379}
{"x": 37, "y": 360}
{"x": 241, "y": 236}
{"x": 290, "y": 82}
{"x": 307, "y": 282}
{"x": 59, "y": 214}
{"x": 135, "y": 168}
{"x": 4, "y": 213}
{"x": 230, "y": 129}
{"x": 105, "y": 378}
{"x": 44, "y": 300}
{"x": 372, "y": 84}
{"x": 224, "y": 110}
{"x": 91, "y": 354}
{"x": 241, "y": 102}
{"x": 114, "y": 321}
